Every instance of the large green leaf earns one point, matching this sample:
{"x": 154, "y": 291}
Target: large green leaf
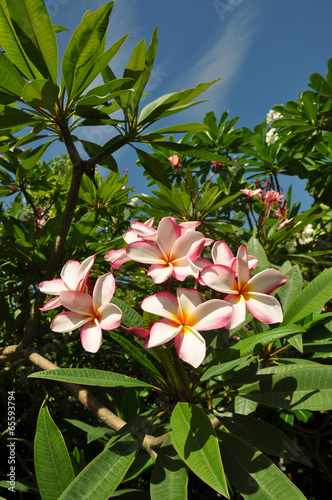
{"x": 293, "y": 287}
{"x": 195, "y": 440}
{"x": 100, "y": 477}
{"x": 13, "y": 46}
{"x": 254, "y": 475}
{"x": 156, "y": 109}
{"x": 35, "y": 31}
{"x": 154, "y": 167}
{"x": 41, "y": 94}
{"x": 83, "y": 49}
{"x": 85, "y": 376}
{"x": 99, "y": 65}
{"x": 294, "y": 387}
{"x": 12, "y": 118}
{"x": 263, "y": 436}
{"x": 53, "y": 466}
{"x": 169, "y": 477}
{"x": 130, "y": 316}
{"x": 256, "y": 249}
{"x": 134, "y": 352}
{"x": 11, "y": 79}
{"x": 312, "y": 298}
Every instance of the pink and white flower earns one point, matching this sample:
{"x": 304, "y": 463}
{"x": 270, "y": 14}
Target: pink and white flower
{"x": 246, "y": 292}
{"x": 94, "y": 313}
{"x": 172, "y": 254}
{"x": 73, "y": 277}
{"x": 174, "y": 160}
{"x": 182, "y": 318}
{"x": 138, "y": 232}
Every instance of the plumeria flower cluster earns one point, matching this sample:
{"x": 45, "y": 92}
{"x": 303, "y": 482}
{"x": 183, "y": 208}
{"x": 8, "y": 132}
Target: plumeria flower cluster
{"x": 273, "y": 116}
{"x": 92, "y": 313}
{"x": 305, "y": 236}
{"x": 171, "y": 252}
{"x": 270, "y": 199}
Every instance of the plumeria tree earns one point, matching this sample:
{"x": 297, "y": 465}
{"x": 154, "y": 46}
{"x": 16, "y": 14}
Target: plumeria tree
{"x": 170, "y": 345}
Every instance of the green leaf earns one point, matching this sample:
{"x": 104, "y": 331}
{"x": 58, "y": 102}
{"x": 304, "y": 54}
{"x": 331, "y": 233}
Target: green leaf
{"x": 12, "y": 44}
{"x": 135, "y": 353}
{"x": 130, "y": 316}
{"x": 312, "y": 299}
{"x": 263, "y": 436}
{"x": 41, "y": 94}
{"x": 102, "y": 475}
{"x": 35, "y": 31}
{"x": 58, "y": 28}
{"x": 254, "y": 475}
{"x": 195, "y": 440}
{"x": 85, "y": 376}
{"x": 255, "y": 248}
{"x": 82, "y": 50}
{"x": 159, "y": 107}
{"x": 192, "y": 151}
{"x": 292, "y": 288}
{"x": 99, "y": 65}
{"x": 185, "y": 127}
{"x": 154, "y": 167}
{"x": 294, "y": 387}
{"x": 12, "y": 118}
{"x": 53, "y": 466}
{"x": 254, "y": 343}
{"x": 93, "y": 433}
{"x": 11, "y": 79}
{"x": 169, "y": 477}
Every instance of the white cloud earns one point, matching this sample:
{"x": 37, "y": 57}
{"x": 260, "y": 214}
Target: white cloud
{"x": 224, "y": 59}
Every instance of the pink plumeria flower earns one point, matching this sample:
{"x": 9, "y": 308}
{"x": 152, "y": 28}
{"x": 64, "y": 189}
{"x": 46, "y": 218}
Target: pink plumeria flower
{"x": 222, "y": 254}
{"x": 93, "y": 313}
{"x": 73, "y": 277}
{"x": 246, "y": 292}
{"x": 183, "y": 317}
{"x": 174, "y": 160}
{"x": 251, "y": 192}
{"x": 138, "y": 232}
{"x": 172, "y": 254}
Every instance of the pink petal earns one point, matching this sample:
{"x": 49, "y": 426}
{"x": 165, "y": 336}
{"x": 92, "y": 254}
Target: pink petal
{"x": 161, "y": 332}
{"x": 190, "y": 346}
{"x": 78, "y": 302}
{"x": 265, "y": 282}
{"x": 239, "y": 313}
{"x": 140, "y": 333}
{"x": 145, "y": 252}
{"x": 190, "y": 245}
{"x": 84, "y": 271}
{"x": 51, "y": 304}
{"x": 91, "y": 336}
{"x": 68, "y": 321}
{"x": 103, "y": 291}
{"x": 168, "y": 233}
{"x": 117, "y": 257}
{"x": 70, "y": 274}
{"x": 131, "y": 236}
{"x": 109, "y": 316}
{"x": 160, "y": 272}
{"x": 208, "y": 242}
{"x": 264, "y": 307}
{"x": 143, "y": 230}
{"x": 184, "y": 267}
{"x": 210, "y": 315}
{"x": 243, "y": 272}
{"x": 220, "y": 278}
{"x": 163, "y": 304}
{"x": 188, "y": 300}
{"x": 221, "y": 253}
{"x": 53, "y": 287}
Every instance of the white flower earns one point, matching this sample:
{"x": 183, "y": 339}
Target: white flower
{"x": 305, "y": 236}
{"x": 291, "y": 246}
{"x": 272, "y": 116}
{"x": 134, "y": 201}
{"x": 271, "y": 136}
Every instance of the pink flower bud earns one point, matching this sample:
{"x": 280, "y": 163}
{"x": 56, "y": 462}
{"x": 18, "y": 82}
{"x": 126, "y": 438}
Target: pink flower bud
{"x": 174, "y": 160}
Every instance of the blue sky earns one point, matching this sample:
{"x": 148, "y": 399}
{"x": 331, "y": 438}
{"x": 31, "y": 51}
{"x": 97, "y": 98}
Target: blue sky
{"x": 263, "y": 51}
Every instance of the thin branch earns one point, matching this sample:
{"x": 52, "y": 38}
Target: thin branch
{"x": 96, "y": 407}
